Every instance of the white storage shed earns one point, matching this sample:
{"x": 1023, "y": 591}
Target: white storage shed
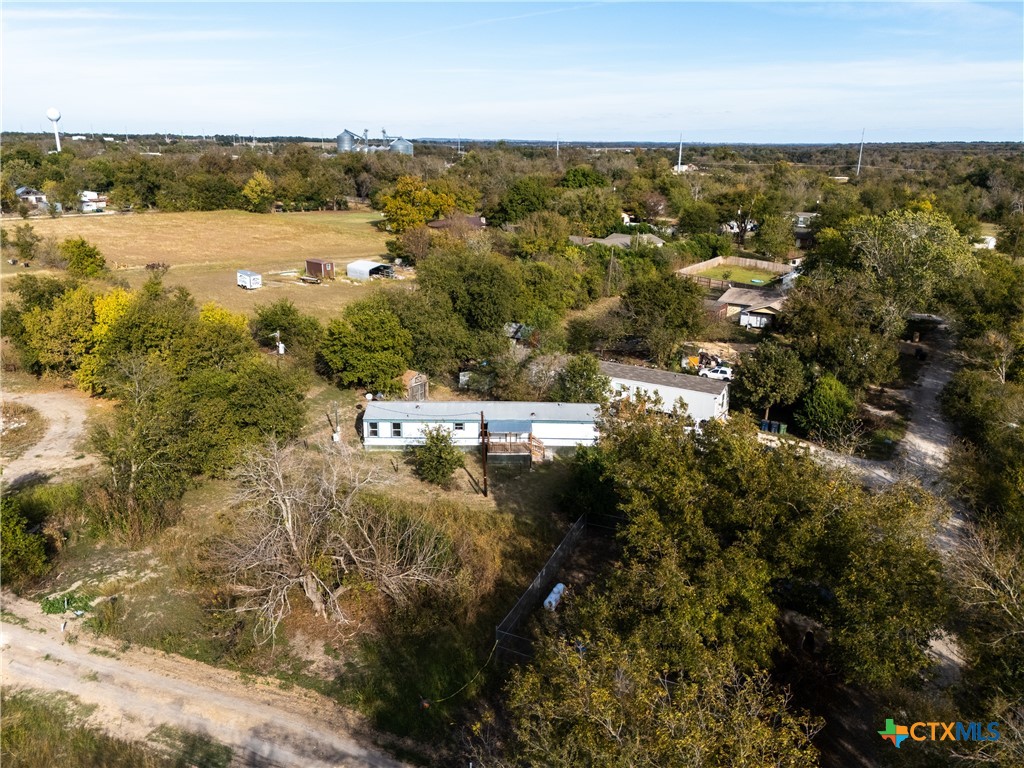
{"x": 704, "y": 398}
{"x": 362, "y": 269}
{"x": 399, "y": 424}
{"x": 248, "y": 279}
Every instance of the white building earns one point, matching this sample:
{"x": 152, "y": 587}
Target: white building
{"x": 395, "y": 424}
{"x": 90, "y": 202}
{"x": 362, "y": 269}
{"x": 704, "y": 398}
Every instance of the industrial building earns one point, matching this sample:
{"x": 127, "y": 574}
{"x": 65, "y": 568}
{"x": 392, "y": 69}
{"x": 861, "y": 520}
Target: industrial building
{"x": 353, "y": 142}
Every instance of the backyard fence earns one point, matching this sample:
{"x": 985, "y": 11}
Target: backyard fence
{"x": 736, "y": 261}
{"x": 505, "y": 633}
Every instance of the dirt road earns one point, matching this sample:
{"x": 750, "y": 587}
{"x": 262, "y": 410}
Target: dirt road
{"x": 60, "y": 448}
{"x": 138, "y": 690}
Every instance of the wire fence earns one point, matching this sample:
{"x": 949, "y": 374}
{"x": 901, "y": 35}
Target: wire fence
{"x": 505, "y": 633}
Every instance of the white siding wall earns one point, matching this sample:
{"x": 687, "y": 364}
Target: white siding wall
{"x": 562, "y": 434}
{"x": 552, "y": 434}
{"x": 700, "y": 406}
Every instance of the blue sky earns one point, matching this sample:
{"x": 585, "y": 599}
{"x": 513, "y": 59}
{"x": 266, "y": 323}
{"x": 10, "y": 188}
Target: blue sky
{"x": 714, "y": 72}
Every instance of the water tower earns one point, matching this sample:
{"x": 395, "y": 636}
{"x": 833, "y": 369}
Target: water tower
{"x": 53, "y": 115}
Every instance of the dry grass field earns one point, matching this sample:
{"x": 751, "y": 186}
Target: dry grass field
{"x": 204, "y": 249}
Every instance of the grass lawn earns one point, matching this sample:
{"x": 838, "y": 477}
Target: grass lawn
{"x": 736, "y": 274}
{"x": 205, "y": 248}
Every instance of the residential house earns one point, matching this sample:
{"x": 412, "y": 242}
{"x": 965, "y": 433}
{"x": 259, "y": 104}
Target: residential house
{"x": 31, "y": 196}
{"x": 755, "y": 309}
{"x": 394, "y": 425}
{"x": 91, "y": 202}
{"x": 704, "y": 398}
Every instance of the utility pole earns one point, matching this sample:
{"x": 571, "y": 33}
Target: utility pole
{"x": 483, "y": 449}
{"x": 861, "y": 155}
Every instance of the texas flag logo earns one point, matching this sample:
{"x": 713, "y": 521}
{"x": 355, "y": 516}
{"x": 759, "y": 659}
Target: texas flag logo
{"x": 894, "y": 733}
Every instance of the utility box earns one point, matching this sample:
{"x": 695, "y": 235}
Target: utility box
{"x": 249, "y": 280}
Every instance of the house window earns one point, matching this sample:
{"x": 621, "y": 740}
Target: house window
{"x": 460, "y": 426}
{"x": 396, "y": 429}
{"x": 372, "y": 429}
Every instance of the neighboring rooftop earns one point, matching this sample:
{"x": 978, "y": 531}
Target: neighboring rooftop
{"x": 749, "y": 297}
{"x": 619, "y": 239}
{"x": 469, "y": 222}
{"x": 663, "y": 378}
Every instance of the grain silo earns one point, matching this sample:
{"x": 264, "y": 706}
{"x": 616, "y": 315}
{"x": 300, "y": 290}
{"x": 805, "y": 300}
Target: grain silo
{"x": 346, "y": 141}
{"x": 401, "y": 146}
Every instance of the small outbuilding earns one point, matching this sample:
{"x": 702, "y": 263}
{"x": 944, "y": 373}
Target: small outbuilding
{"x": 321, "y": 268}
{"x": 363, "y": 269}
{"x": 248, "y": 279}
{"x": 415, "y": 385}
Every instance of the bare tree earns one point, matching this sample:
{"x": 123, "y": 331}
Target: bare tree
{"x": 303, "y": 525}
{"x": 990, "y": 575}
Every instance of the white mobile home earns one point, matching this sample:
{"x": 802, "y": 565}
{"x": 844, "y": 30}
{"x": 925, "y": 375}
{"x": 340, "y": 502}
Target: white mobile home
{"x": 248, "y": 280}
{"x": 399, "y": 424}
{"x": 704, "y": 398}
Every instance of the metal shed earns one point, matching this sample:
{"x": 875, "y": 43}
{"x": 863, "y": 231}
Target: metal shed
{"x": 364, "y": 270}
{"x": 320, "y": 268}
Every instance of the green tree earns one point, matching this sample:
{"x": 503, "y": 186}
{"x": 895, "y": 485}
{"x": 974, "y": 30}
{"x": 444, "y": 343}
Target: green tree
{"x": 581, "y": 381}
{"x": 770, "y": 375}
{"x": 258, "y": 192}
{"x": 438, "y": 457}
{"x": 827, "y": 411}
{"x": 836, "y": 323}
{"x": 25, "y": 241}
{"x": 581, "y": 176}
{"x": 595, "y": 701}
{"x": 1011, "y": 235}
{"x": 367, "y": 346}
{"x": 526, "y": 195}
{"x": 697, "y": 217}
{"x": 22, "y": 556}
{"x": 297, "y": 330}
{"x": 412, "y": 204}
{"x": 913, "y": 256}
{"x": 83, "y": 259}
{"x": 61, "y": 336}
{"x": 592, "y": 211}
{"x": 774, "y": 237}
{"x": 663, "y": 310}
{"x": 440, "y": 339}
{"x": 485, "y": 291}
{"x": 149, "y": 447}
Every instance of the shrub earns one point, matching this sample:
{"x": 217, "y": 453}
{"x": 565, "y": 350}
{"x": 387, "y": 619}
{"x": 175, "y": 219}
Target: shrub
{"x": 22, "y": 556}
{"x": 438, "y": 459}
{"x": 84, "y": 259}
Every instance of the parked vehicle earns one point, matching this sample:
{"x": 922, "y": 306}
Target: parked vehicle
{"x": 721, "y": 373}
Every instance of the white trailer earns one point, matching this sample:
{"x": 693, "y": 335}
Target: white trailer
{"x": 249, "y": 280}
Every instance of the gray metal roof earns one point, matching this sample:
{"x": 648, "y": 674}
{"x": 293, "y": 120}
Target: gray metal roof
{"x": 664, "y": 378}
{"x": 469, "y": 410}
{"x": 748, "y": 297}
